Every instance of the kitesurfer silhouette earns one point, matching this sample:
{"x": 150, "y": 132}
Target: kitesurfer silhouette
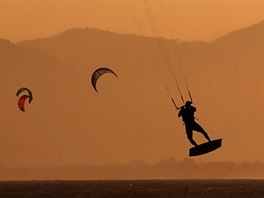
{"x": 187, "y": 113}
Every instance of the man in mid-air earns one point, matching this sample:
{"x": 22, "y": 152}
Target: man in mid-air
{"x": 187, "y": 113}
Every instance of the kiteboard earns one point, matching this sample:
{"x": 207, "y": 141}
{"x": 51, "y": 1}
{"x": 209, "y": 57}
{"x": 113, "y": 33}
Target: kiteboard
{"x": 205, "y": 147}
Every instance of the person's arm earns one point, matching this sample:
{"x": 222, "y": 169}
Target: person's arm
{"x": 180, "y": 113}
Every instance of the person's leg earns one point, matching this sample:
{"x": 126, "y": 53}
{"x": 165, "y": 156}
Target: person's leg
{"x": 198, "y": 128}
{"x": 190, "y": 135}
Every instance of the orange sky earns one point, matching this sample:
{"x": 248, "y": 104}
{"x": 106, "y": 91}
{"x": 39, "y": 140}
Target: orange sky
{"x": 63, "y": 126}
{"x": 187, "y": 20}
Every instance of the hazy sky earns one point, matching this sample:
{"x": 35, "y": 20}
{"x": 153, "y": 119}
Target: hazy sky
{"x": 183, "y": 19}
{"x": 69, "y": 123}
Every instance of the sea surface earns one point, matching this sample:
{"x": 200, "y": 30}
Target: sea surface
{"x": 133, "y": 189}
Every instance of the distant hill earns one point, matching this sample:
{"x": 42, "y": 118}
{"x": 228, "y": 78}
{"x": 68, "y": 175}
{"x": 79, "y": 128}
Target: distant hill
{"x": 235, "y": 53}
{"x": 132, "y": 117}
{"x": 166, "y": 169}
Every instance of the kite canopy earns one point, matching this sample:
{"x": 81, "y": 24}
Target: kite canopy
{"x": 98, "y": 73}
{"x": 29, "y": 93}
{"x": 23, "y": 98}
{"x": 21, "y": 102}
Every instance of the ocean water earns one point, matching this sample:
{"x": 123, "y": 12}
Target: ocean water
{"x": 133, "y": 189}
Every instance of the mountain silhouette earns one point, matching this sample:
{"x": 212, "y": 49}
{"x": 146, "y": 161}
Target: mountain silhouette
{"x": 132, "y": 117}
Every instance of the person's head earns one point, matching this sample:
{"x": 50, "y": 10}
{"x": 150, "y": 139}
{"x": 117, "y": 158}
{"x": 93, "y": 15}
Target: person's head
{"x": 188, "y": 103}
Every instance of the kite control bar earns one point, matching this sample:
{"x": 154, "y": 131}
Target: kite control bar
{"x": 172, "y": 99}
